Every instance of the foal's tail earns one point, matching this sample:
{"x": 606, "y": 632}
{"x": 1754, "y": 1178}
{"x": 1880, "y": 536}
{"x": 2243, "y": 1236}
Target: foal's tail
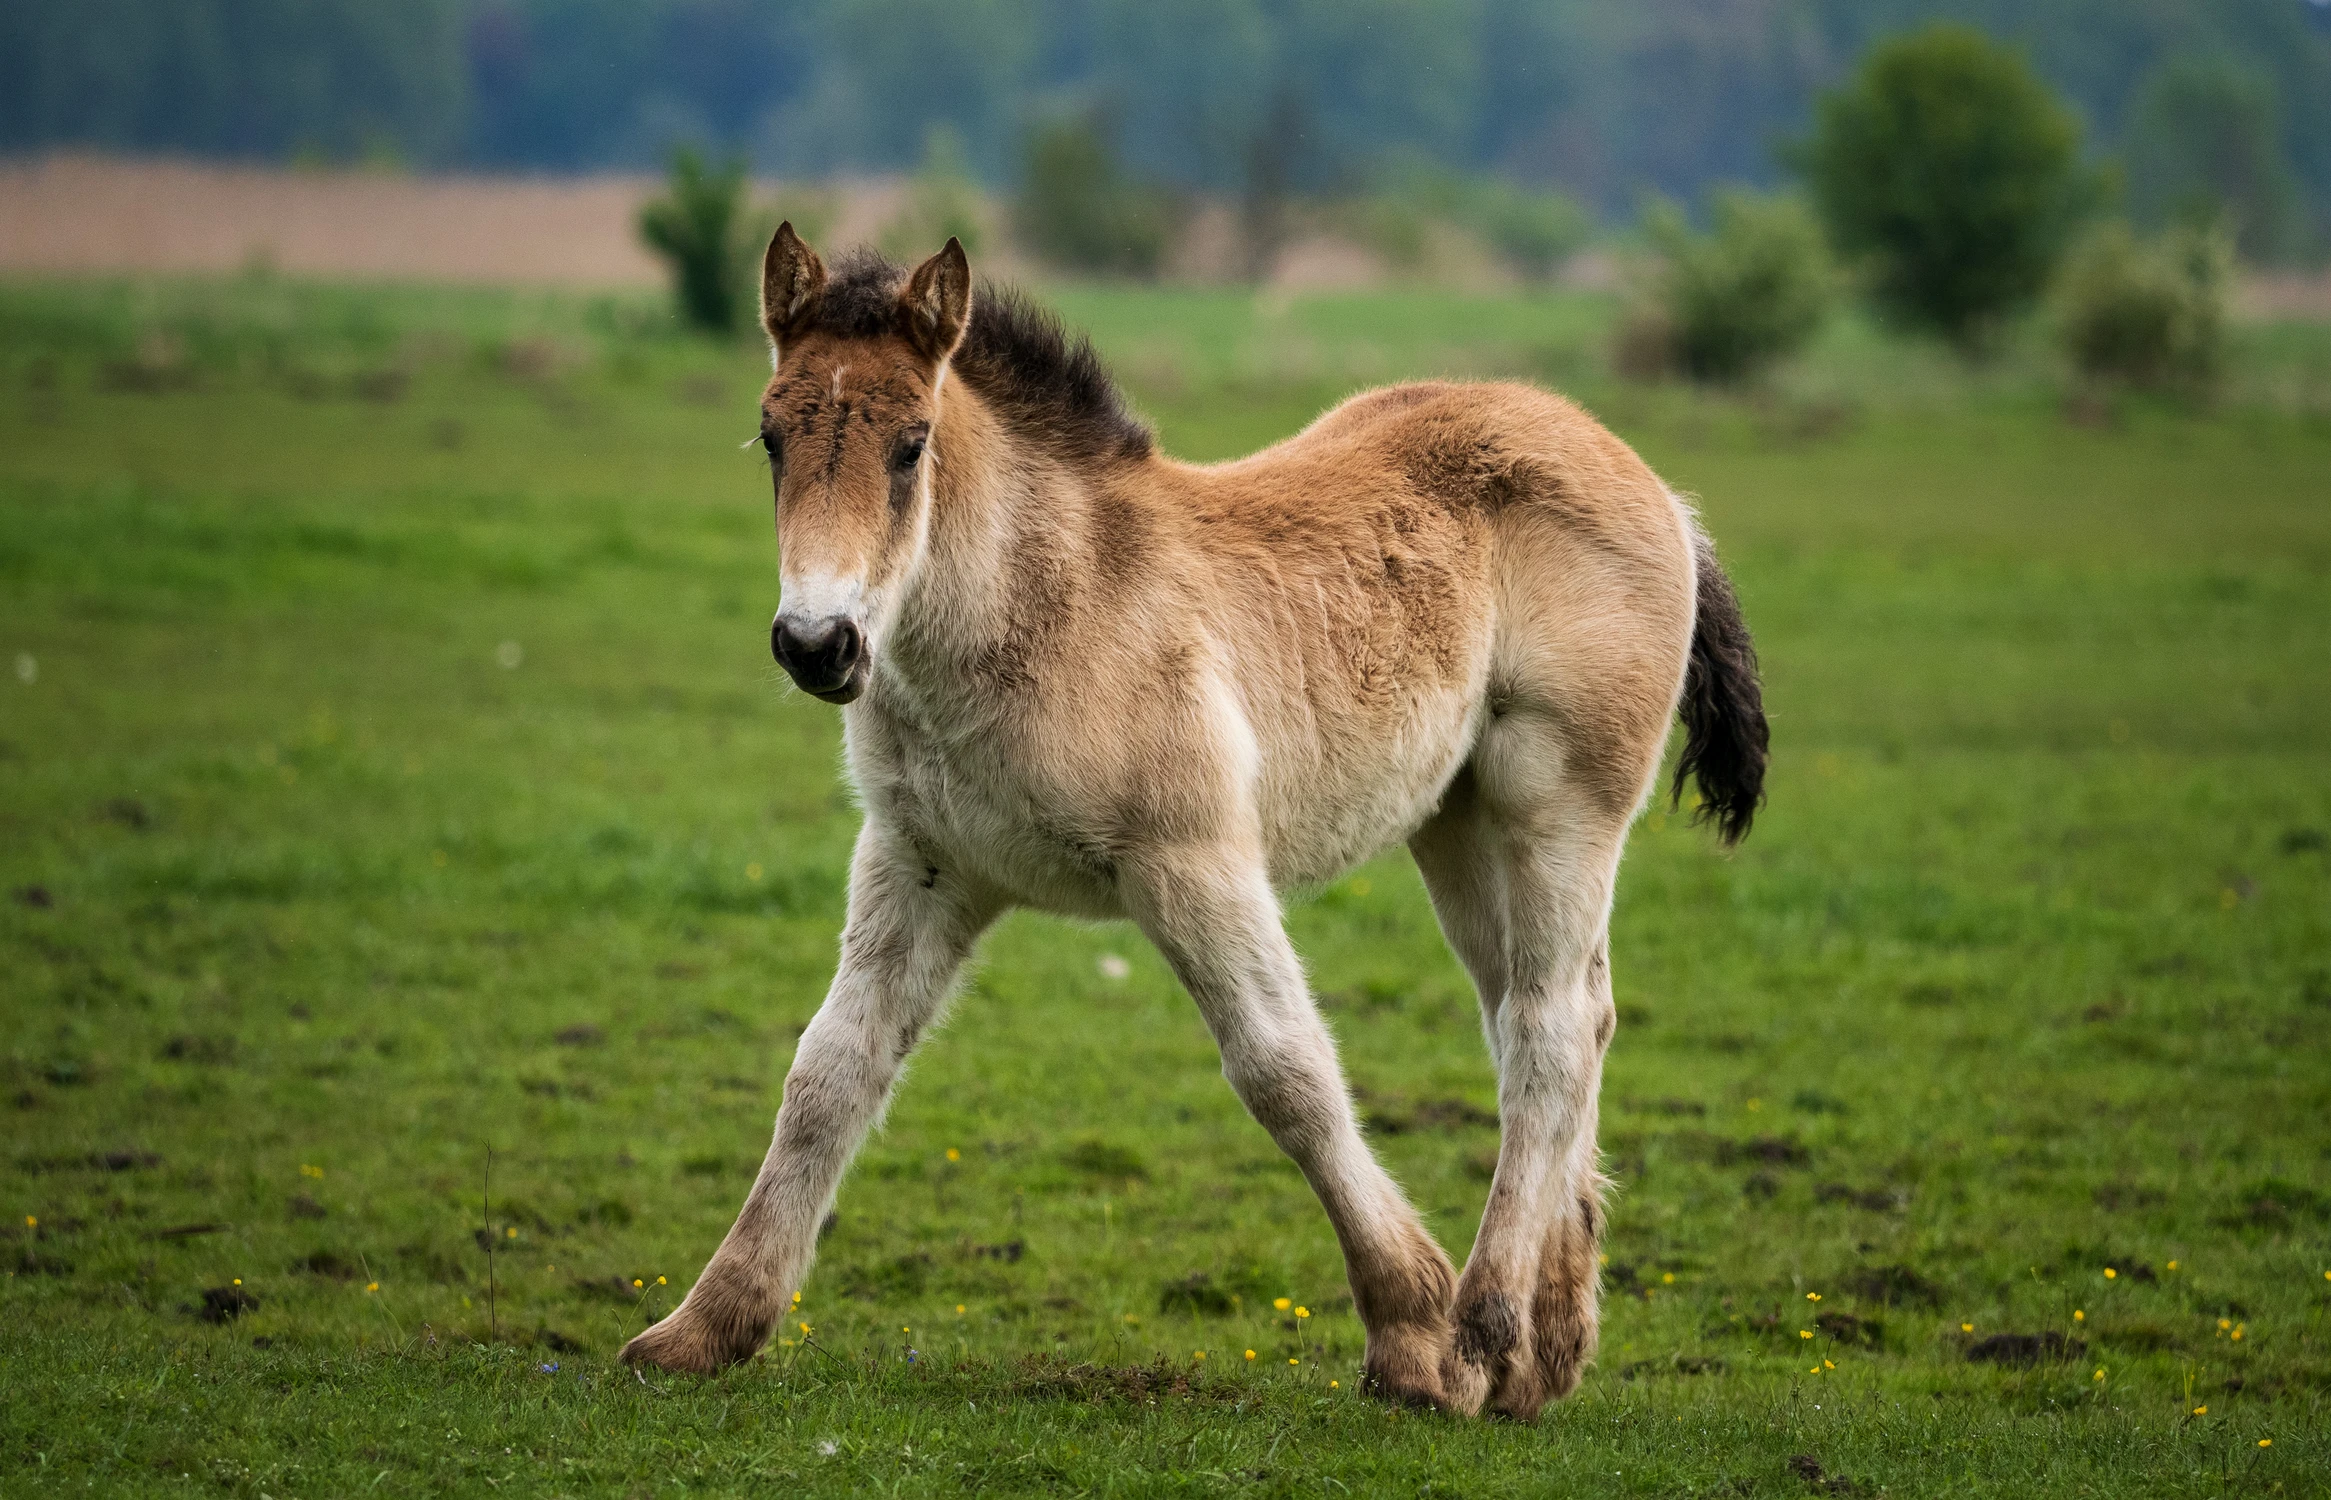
{"x": 1725, "y": 738}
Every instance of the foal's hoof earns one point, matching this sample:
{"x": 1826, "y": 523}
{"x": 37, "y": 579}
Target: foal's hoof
{"x": 1407, "y": 1365}
{"x": 683, "y": 1346}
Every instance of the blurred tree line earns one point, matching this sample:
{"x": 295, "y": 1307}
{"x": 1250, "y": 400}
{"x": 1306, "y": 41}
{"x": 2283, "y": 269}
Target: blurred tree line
{"x": 2212, "y": 106}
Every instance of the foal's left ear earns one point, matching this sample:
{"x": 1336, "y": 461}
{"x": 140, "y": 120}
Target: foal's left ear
{"x": 936, "y": 306}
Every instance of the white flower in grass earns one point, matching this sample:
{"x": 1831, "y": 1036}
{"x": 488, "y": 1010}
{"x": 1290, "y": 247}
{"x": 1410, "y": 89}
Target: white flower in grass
{"x": 1114, "y": 967}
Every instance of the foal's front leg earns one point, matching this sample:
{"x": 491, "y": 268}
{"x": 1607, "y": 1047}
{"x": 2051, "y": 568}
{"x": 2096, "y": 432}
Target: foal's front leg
{"x": 1212, "y": 913}
{"x": 908, "y": 931}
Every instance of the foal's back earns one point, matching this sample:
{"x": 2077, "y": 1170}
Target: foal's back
{"x": 1420, "y": 566}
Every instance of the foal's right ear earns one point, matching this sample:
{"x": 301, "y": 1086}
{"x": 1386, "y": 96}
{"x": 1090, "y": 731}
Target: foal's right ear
{"x": 791, "y": 278}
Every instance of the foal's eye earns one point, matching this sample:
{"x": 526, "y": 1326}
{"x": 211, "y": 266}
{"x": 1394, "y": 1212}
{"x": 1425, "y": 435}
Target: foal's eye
{"x": 774, "y": 446}
{"x": 910, "y": 453}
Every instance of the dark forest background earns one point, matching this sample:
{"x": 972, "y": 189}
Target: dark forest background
{"x": 1604, "y": 101}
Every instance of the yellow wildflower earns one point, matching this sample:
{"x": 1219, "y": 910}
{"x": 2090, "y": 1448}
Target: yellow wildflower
{"x": 660, "y": 1281}
{"x": 1250, "y": 1354}
{"x": 2201, "y": 1411}
{"x": 2078, "y": 1316}
{"x": 2110, "y": 1273}
{"x": 1282, "y": 1303}
{"x": 372, "y": 1286}
{"x": 1809, "y": 1296}
{"x": 1966, "y": 1328}
{"x": 1302, "y": 1312}
{"x": 953, "y": 1154}
{"x": 1804, "y": 1333}
{"x": 2266, "y": 1442}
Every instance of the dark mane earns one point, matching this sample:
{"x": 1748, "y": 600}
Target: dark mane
{"x": 1045, "y": 382}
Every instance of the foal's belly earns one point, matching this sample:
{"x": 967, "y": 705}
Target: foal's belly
{"x": 1336, "y": 801}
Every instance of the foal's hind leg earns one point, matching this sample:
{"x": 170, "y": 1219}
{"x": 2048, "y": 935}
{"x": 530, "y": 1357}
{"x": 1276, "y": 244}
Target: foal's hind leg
{"x": 908, "y": 931}
{"x": 1212, "y": 913}
{"x": 1523, "y": 891}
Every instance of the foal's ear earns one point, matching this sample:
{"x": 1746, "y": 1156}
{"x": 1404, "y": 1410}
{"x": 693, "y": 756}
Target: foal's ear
{"x": 791, "y": 278}
{"x": 935, "y": 308}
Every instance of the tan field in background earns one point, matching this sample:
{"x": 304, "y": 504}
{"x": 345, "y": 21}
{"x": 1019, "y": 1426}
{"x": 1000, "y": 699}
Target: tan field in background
{"x": 86, "y": 214}
{"x": 76, "y": 214}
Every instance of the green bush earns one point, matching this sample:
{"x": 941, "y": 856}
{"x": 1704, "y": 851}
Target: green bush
{"x": 1724, "y": 306}
{"x": 1953, "y": 171}
{"x": 1531, "y": 230}
{"x": 2147, "y": 315}
{"x": 695, "y": 228}
{"x": 1078, "y": 209}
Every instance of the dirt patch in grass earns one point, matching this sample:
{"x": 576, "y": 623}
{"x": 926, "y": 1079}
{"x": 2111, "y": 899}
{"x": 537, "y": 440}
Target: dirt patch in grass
{"x": 1677, "y": 1364}
{"x": 1397, "y": 1114}
{"x": 1045, "y": 1378}
{"x": 1098, "y": 1158}
{"x": 1846, "y": 1328}
{"x": 1894, "y": 1286}
{"x": 95, "y": 1161}
{"x": 2024, "y": 1350}
{"x": 328, "y": 1264}
{"x": 1879, "y": 1200}
{"x": 1197, "y": 1293}
{"x": 224, "y": 1304}
{"x": 1772, "y": 1150}
{"x": 2274, "y": 1203}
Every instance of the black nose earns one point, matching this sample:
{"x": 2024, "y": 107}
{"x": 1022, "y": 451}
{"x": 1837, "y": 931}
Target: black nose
{"x": 819, "y": 655}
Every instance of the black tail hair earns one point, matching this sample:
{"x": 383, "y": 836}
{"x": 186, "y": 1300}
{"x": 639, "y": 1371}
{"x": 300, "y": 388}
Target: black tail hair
{"x": 1725, "y": 737}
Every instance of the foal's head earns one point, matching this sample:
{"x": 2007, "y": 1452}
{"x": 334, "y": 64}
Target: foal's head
{"x": 847, "y": 422}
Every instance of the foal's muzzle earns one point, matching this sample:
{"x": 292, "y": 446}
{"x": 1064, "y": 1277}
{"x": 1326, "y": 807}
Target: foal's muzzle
{"x": 825, "y": 658}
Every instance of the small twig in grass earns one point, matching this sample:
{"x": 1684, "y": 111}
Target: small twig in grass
{"x": 381, "y": 1302}
{"x": 493, "y": 1312}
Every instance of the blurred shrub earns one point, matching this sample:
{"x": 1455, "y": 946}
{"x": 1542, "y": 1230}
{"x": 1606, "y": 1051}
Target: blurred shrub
{"x": 1954, "y": 172}
{"x": 696, "y": 227}
{"x": 1532, "y": 231}
{"x": 941, "y": 202}
{"x": 2205, "y": 151}
{"x": 1078, "y": 209}
{"x": 711, "y": 238}
{"x": 2146, "y": 314}
{"x": 1724, "y": 306}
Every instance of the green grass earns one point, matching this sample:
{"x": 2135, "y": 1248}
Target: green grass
{"x": 2025, "y": 973}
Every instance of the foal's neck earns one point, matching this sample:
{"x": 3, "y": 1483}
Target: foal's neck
{"x": 1001, "y": 510}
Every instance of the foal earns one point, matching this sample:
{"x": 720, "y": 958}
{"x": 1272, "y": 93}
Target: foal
{"x": 1083, "y": 677}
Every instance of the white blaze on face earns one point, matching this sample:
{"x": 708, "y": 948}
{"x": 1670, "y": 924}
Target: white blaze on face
{"x": 812, "y": 599}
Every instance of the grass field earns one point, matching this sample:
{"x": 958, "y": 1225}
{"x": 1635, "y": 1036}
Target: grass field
{"x": 392, "y": 768}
